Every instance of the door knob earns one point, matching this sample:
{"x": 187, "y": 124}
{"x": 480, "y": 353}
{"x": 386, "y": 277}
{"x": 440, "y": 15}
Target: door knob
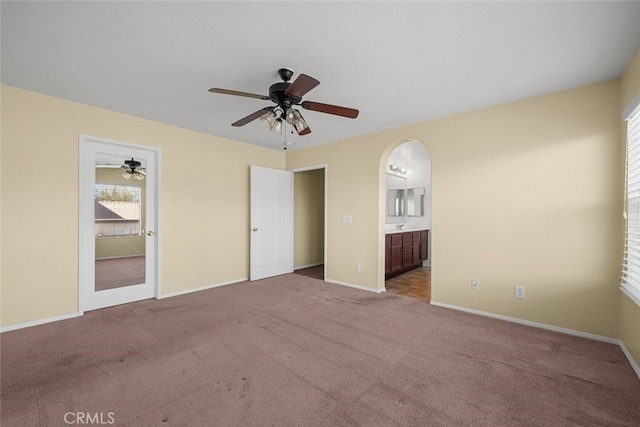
{"x": 254, "y": 229}
{"x": 150, "y": 233}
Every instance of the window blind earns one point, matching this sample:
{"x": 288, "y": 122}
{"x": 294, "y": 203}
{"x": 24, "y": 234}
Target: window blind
{"x": 631, "y": 260}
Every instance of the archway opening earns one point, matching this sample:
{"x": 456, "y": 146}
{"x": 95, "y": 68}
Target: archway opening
{"x": 408, "y": 225}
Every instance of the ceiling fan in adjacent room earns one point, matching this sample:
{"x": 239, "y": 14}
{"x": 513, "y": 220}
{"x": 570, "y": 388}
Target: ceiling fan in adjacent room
{"x": 131, "y": 169}
{"x": 287, "y": 95}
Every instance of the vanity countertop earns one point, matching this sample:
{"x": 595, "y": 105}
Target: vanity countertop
{"x": 404, "y": 230}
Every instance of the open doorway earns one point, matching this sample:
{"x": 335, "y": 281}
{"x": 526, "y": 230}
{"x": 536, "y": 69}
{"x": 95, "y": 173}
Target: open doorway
{"x": 309, "y": 207}
{"x": 408, "y": 227}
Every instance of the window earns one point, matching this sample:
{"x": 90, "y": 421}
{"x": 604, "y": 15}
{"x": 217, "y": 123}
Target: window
{"x": 631, "y": 263}
{"x": 118, "y": 210}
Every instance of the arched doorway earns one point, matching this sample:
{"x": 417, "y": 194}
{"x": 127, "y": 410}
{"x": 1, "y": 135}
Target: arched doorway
{"x": 408, "y": 226}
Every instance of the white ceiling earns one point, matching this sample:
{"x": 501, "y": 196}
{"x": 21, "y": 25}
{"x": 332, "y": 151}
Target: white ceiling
{"x": 397, "y": 62}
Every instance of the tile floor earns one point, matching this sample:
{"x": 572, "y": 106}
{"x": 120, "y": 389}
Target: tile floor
{"x": 415, "y": 283}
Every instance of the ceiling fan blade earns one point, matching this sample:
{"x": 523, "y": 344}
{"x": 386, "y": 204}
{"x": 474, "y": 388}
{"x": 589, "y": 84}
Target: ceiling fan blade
{"x": 301, "y": 86}
{"x": 139, "y": 168}
{"x": 251, "y": 117}
{"x": 237, "y": 93}
{"x": 305, "y": 131}
{"x": 330, "y": 109}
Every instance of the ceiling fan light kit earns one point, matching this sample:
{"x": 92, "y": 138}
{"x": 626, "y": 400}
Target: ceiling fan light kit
{"x": 295, "y": 119}
{"x": 285, "y": 95}
{"x": 132, "y": 170}
{"x": 137, "y": 175}
{"x": 272, "y": 122}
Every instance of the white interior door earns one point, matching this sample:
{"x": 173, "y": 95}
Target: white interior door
{"x": 118, "y": 260}
{"x": 271, "y": 222}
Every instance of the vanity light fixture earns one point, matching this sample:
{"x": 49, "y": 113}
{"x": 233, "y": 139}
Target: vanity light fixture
{"x": 398, "y": 169}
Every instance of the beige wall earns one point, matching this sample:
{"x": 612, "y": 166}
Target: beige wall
{"x": 352, "y": 178}
{"x": 116, "y": 247}
{"x": 522, "y": 195}
{"x": 630, "y": 81}
{"x": 629, "y": 311}
{"x": 202, "y": 220}
{"x": 1, "y": 198}
{"x": 308, "y": 220}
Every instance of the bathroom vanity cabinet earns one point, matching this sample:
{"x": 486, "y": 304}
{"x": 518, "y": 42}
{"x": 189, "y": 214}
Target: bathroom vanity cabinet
{"x": 405, "y": 251}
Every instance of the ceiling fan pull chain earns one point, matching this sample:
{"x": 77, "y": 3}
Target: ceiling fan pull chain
{"x": 284, "y": 123}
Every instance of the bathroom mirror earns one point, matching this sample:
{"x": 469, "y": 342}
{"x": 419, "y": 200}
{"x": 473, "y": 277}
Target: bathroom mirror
{"x": 396, "y": 206}
{"x": 410, "y": 202}
{"x": 395, "y": 202}
{"x": 415, "y": 201}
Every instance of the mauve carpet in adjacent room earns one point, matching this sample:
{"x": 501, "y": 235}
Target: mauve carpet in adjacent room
{"x": 296, "y": 351}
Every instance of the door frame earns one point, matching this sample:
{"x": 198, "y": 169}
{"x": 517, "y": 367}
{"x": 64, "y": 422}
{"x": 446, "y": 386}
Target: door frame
{"x": 324, "y": 166}
{"x": 86, "y": 186}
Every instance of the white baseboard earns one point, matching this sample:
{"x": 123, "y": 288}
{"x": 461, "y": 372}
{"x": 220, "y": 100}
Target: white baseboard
{"x": 308, "y": 266}
{"x": 73, "y": 315}
{"x": 39, "y": 322}
{"x": 567, "y": 331}
{"x": 529, "y": 323}
{"x": 203, "y": 288}
{"x": 351, "y": 285}
{"x": 633, "y": 363}
{"x": 119, "y": 257}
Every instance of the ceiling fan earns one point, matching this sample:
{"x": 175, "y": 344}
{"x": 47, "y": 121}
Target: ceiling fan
{"x": 132, "y": 169}
{"x": 286, "y": 95}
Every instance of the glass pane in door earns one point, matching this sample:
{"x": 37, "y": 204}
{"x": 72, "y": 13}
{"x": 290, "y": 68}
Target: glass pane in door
{"x": 119, "y": 228}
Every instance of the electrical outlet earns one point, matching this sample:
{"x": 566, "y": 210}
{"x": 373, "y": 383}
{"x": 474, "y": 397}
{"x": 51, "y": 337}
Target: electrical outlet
{"x": 519, "y": 290}
{"x": 358, "y": 266}
{"x": 475, "y": 284}
{"x": 218, "y": 265}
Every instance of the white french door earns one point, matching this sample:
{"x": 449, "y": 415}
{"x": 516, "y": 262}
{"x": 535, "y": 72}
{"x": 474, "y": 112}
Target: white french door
{"x": 271, "y": 217}
{"x": 118, "y": 253}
